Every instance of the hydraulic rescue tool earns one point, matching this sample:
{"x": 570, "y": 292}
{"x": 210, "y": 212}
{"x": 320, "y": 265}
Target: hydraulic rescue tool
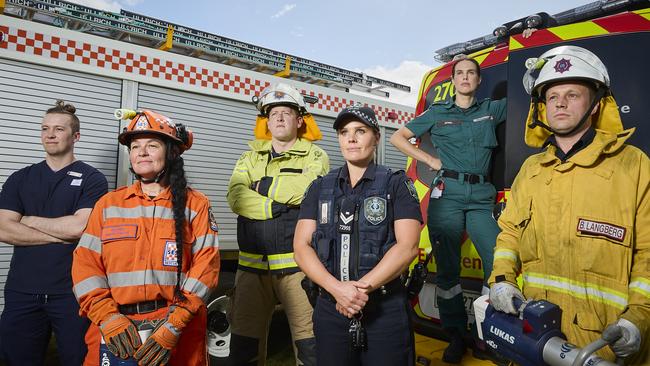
{"x": 533, "y": 338}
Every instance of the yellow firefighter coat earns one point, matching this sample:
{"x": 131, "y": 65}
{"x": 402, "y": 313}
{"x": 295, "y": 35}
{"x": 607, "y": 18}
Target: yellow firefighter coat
{"x": 579, "y": 232}
{"x": 265, "y": 236}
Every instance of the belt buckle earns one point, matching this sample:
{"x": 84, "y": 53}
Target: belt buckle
{"x": 137, "y": 308}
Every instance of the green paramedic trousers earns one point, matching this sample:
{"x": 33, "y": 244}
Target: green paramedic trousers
{"x": 462, "y": 207}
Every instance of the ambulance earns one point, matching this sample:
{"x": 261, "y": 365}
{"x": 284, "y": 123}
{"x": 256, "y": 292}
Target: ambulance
{"x": 617, "y": 31}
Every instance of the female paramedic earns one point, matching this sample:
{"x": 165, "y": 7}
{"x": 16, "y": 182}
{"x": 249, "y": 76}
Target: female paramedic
{"x": 358, "y": 230}
{"x": 144, "y": 293}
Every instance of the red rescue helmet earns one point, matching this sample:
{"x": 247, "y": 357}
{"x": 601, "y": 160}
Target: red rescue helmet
{"x": 149, "y": 122}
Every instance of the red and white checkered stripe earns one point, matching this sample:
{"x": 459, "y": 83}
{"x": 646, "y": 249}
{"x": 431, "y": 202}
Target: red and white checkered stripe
{"x": 53, "y": 47}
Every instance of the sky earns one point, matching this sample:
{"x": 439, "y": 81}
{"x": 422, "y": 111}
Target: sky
{"x": 393, "y": 40}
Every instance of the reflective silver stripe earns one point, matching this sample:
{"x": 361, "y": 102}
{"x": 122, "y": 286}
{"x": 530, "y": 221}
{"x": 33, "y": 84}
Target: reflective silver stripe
{"x": 274, "y": 187}
{"x": 279, "y": 261}
{"x": 640, "y": 285}
{"x": 268, "y": 208}
{"x": 91, "y": 242}
{"x": 576, "y": 289}
{"x": 148, "y": 277}
{"x": 449, "y": 294}
{"x": 506, "y": 254}
{"x": 196, "y": 287}
{"x": 241, "y": 170}
{"x": 205, "y": 241}
{"x": 253, "y": 261}
{"x": 144, "y": 211}
{"x": 89, "y": 284}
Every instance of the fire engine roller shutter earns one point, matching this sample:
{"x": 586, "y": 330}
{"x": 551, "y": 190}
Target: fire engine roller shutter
{"x": 330, "y": 142}
{"x": 26, "y": 92}
{"x": 222, "y": 127}
{"x": 393, "y": 158}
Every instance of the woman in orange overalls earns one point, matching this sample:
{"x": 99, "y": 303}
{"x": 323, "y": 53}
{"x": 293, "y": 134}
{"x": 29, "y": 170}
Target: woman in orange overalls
{"x": 145, "y": 293}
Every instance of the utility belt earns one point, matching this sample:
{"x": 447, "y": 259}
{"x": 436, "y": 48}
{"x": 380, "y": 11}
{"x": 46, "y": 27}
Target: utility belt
{"x": 385, "y": 291}
{"x": 466, "y": 177}
{"x": 143, "y": 307}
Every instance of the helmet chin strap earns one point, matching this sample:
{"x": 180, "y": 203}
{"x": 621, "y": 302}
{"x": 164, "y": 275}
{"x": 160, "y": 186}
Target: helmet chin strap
{"x": 600, "y": 93}
{"x": 156, "y": 179}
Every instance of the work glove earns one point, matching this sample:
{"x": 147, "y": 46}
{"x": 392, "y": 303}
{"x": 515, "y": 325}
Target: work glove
{"x": 157, "y": 349}
{"x": 120, "y": 335}
{"x": 629, "y": 340}
{"x": 501, "y": 296}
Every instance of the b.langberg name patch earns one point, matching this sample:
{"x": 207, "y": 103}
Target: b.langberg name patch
{"x": 610, "y": 231}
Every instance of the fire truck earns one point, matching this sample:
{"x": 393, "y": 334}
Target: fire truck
{"x": 617, "y": 31}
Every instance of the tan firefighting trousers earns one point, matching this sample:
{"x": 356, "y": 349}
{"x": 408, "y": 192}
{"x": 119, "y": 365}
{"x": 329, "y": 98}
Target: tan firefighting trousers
{"x": 251, "y": 309}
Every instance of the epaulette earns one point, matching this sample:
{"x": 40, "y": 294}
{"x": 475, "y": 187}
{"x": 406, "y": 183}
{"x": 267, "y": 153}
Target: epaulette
{"x": 442, "y": 103}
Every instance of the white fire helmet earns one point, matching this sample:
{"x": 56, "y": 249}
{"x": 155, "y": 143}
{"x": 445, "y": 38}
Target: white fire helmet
{"x": 563, "y": 63}
{"x": 280, "y": 94}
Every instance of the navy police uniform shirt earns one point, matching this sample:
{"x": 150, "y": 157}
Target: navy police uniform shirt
{"x": 463, "y": 137}
{"x": 404, "y": 197}
{"x": 36, "y": 190}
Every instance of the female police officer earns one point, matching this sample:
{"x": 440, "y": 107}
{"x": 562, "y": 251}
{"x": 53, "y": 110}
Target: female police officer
{"x": 358, "y": 230}
{"x": 149, "y": 256}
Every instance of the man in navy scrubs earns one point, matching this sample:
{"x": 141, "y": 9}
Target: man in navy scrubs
{"x": 43, "y": 211}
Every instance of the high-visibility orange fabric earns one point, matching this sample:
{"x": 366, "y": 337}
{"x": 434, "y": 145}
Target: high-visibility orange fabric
{"x": 191, "y": 348}
{"x": 127, "y": 255}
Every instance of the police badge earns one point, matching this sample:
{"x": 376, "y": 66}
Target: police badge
{"x": 374, "y": 210}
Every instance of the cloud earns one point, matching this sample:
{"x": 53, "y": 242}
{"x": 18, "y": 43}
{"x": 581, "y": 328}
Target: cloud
{"x": 297, "y": 32}
{"x": 107, "y": 5}
{"x": 285, "y": 9}
{"x": 408, "y": 73}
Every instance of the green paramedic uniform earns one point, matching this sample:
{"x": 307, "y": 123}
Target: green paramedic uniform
{"x": 464, "y": 140}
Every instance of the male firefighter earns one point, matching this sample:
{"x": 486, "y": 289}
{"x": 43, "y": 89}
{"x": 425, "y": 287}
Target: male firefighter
{"x": 43, "y": 211}
{"x": 265, "y": 190}
{"x": 577, "y": 225}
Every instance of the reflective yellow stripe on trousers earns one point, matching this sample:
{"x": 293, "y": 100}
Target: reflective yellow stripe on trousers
{"x": 580, "y": 290}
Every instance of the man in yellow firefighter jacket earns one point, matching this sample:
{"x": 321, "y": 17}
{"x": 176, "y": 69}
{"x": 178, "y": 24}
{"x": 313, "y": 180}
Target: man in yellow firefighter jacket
{"x": 265, "y": 190}
{"x": 577, "y": 224}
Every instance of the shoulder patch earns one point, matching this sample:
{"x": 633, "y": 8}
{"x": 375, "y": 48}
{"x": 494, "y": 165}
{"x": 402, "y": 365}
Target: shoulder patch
{"x": 411, "y": 187}
{"x": 374, "y": 209}
{"x": 213, "y": 221}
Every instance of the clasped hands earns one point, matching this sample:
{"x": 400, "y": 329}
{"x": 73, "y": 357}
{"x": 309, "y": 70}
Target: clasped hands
{"x": 351, "y": 297}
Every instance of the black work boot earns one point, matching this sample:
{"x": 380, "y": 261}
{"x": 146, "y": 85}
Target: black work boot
{"x": 456, "y": 349}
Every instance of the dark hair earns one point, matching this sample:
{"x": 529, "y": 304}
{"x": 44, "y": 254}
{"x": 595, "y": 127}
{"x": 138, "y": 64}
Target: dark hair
{"x": 60, "y": 107}
{"x": 175, "y": 177}
{"x": 478, "y": 67}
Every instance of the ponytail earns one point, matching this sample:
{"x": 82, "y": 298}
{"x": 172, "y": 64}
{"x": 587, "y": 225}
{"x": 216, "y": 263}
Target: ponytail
{"x": 178, "y": 187}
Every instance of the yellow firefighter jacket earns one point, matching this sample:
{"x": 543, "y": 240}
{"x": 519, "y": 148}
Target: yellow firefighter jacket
{"x": 579, "y": 232}
{"x": 267, "y": 220}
